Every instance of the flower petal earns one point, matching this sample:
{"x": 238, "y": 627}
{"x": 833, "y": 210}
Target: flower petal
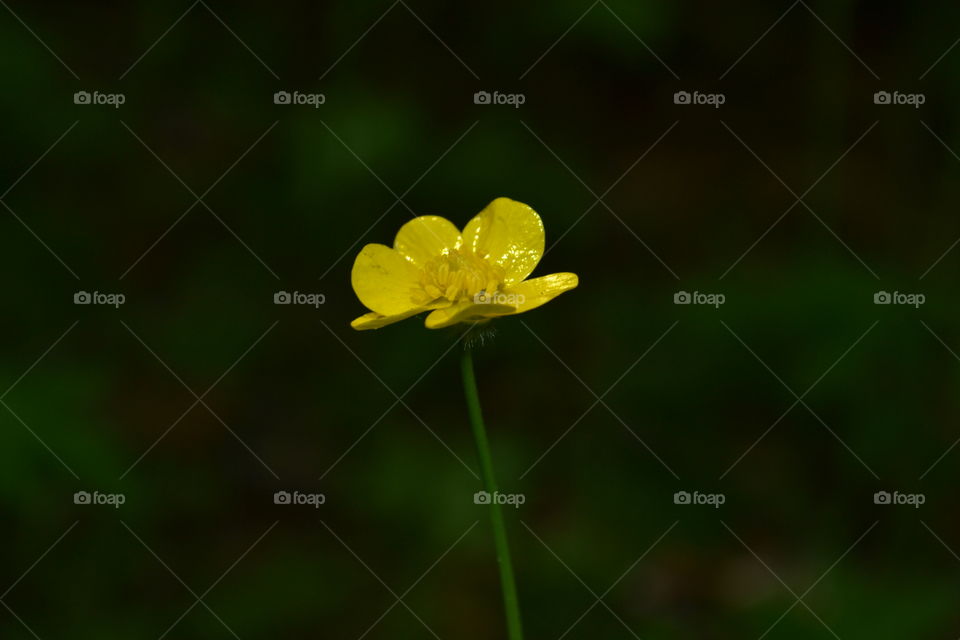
{"x": 466, "y": 312}
{"x": 532, "y": 293}
{"x": 383, "y": 280}
{"x": 507, "y": 233}
{"x": 374, "y": 320}
{"x": 423, "y": 239}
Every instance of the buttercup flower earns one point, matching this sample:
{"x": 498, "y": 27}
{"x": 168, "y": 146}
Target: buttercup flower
{"x": 468, "y": 276}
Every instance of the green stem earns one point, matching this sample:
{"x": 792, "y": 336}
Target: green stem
{"x": 510, "y": 601}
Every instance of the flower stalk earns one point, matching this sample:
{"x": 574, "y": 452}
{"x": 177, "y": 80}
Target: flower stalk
{"x": 510, "y": 601}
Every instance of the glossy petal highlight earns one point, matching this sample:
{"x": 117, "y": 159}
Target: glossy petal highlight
{"x": 532, "y": 293}
{"x": 425, "y": 238}
{"x": 509, "y": 234}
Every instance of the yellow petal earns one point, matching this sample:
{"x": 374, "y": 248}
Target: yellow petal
{"x": 466, "y": 312}
{"x": 383, "y": 280}
{"x": 532, "y": 293}
{"x": 507, "y": 233}
{"x": 374, "y": 320}
{"x": 423, "y": 239}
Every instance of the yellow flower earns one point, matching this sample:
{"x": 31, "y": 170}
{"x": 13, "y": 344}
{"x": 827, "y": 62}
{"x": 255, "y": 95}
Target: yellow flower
{"x": 459, "y": 277}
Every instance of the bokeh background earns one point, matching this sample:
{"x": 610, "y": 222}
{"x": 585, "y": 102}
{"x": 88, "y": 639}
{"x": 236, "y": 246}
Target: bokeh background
{"x": 601, "y": 405}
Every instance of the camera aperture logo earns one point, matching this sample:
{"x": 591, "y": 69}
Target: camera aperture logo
{"x": 512, "y": 499}
{"x": 710, "y": 299}
{"x": 96, "y": 498}
{"x": 499, "y": 297}
{"x": 96, "y": 98}
{"x": 909, "y": 299}
{"x": 696, "y": 498}
{"x": 911, "y": 499}
{"x": 701, "y": 99}
{"x": 512, "y": 99}
{"x": 297, "y": 498}
{"x": 896, "y": 98}
{"x": 109, "y": 299}
{"x": 296, "y": 98}
{"x": 311, "y": 299}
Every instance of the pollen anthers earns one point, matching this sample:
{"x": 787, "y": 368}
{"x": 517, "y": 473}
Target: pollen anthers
{"x": 457, "y": 274}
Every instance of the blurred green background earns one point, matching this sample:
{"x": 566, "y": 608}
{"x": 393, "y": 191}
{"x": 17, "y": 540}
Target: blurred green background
{"x": 692, "y": 398}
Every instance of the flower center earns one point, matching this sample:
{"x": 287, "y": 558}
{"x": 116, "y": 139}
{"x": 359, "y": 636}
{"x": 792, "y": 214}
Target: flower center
{"x": 457, "y": 275}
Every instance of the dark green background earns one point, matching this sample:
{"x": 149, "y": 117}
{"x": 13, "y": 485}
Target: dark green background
{"x": 313, "y": 190}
